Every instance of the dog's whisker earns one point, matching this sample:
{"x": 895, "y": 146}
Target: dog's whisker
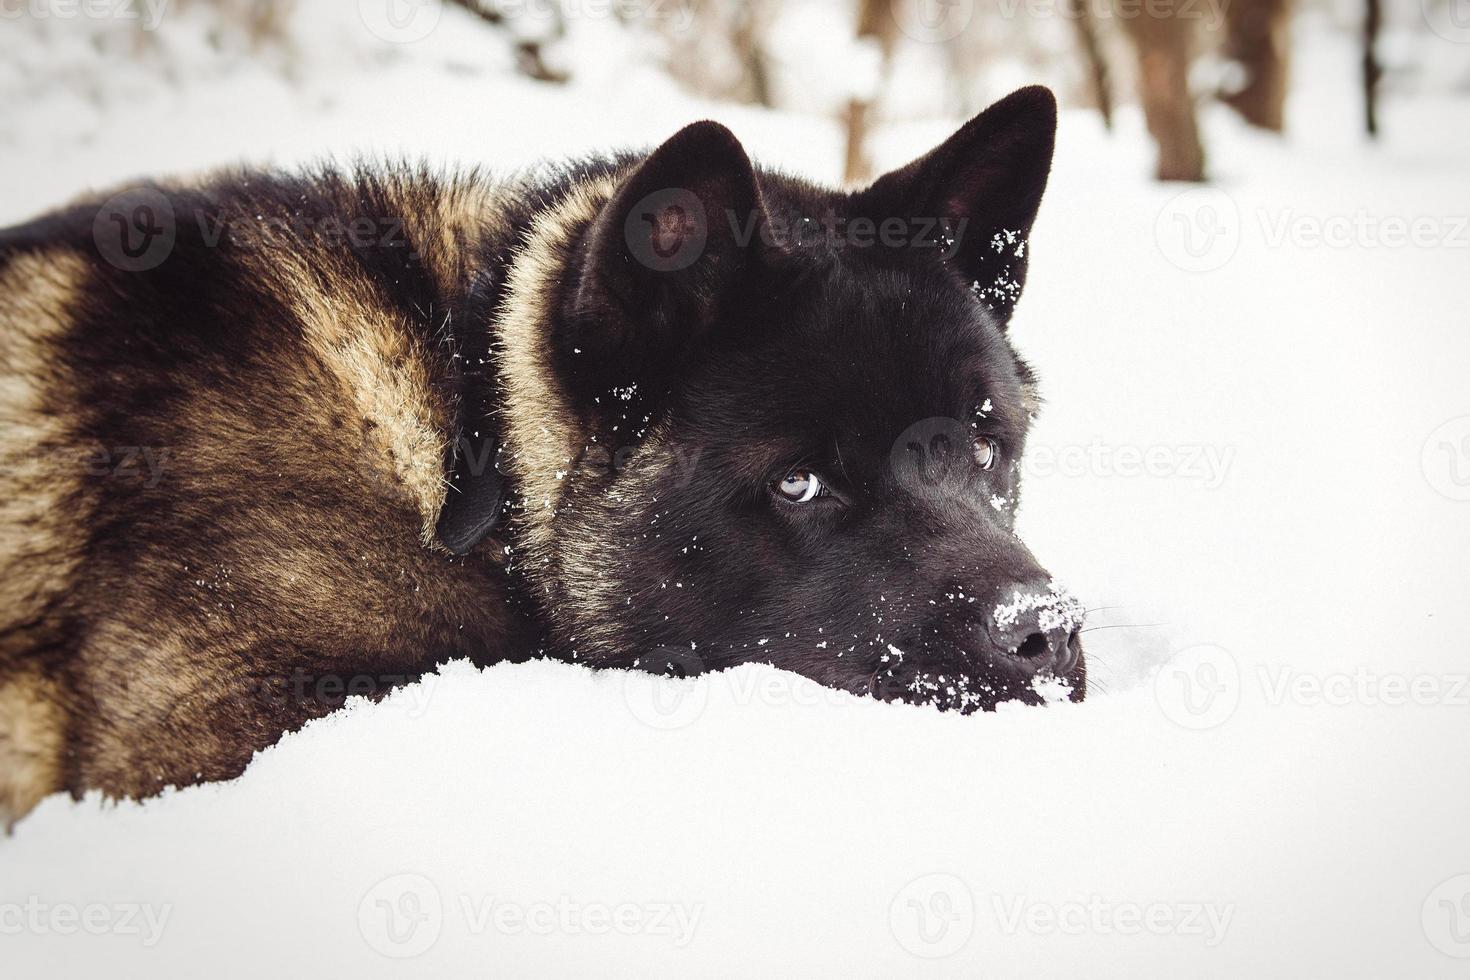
{"x": 1123, "y": 626}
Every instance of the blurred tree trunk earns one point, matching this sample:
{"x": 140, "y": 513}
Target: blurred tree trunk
{"x": 748, "y": 37}
{"x": 1258, "y": 38}
{"x": 529, "y": 51}
{"x": 1372, "y": 70}
{"x": 877, "y": 25}
{"x": 1165, "y": 45}
{"x": 1092, "y": 54}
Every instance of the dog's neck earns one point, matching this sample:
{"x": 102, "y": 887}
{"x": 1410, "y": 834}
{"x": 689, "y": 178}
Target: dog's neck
{"x": 536, "y": 427}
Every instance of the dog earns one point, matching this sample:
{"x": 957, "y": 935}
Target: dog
{"x": 270, "y": 441}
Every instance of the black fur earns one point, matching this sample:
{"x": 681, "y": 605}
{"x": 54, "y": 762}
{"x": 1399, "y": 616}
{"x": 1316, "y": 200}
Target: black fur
{"x": 706, "y": 328}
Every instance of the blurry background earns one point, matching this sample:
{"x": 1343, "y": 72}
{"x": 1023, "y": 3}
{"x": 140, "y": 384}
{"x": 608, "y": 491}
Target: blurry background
{"x": 1147, "y": 68}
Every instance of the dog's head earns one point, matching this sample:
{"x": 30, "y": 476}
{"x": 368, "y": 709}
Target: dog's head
{"x": 786, "y": 423}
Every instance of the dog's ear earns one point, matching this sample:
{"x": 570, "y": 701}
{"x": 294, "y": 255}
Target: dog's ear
{"x": 662, "y": 257}
{"x": 983, "y": 186}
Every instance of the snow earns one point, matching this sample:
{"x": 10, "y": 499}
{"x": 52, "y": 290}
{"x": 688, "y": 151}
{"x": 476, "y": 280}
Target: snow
{"x": 1267, "y": 508}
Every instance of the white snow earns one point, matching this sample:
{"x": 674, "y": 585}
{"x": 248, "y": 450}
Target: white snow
{"x": 1271, "y": 777}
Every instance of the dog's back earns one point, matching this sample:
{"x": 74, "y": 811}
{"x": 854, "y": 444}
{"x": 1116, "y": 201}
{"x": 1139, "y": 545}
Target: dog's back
{"x": 221, "y": 461}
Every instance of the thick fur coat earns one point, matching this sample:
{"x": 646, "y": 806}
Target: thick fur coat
{"x": 269, "y": 441}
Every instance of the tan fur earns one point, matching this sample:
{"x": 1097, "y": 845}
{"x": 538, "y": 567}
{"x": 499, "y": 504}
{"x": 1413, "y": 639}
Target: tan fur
{"x": 39, "y": 469}
{"x": 165, "y": 657}
{"x": 541, "y": 432}
{"x": 32, "y": 737}
{"x": 444, "y": 228}
{"x": 40, "y": 541}
{"x": 373, "y": 355}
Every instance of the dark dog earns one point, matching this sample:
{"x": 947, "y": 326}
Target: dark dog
{"x": 272, "y": 441}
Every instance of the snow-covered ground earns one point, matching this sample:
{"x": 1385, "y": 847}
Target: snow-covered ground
{"x": 1255, "y": 458}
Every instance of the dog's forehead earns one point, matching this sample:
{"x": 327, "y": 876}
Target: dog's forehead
{"x": 866, "y": 353}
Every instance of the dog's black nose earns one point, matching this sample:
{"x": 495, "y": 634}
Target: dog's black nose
{"x": 1033, "y": 628}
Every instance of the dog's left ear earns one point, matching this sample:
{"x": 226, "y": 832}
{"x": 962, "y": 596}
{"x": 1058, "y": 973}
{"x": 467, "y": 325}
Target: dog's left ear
{"x": 983, "y": 186}
{"x": 662, "y": 258}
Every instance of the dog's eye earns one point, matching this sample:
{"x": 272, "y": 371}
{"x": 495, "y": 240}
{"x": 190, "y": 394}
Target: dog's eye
{"x": 986, "y": 452}
{"x": 800, "y": 486}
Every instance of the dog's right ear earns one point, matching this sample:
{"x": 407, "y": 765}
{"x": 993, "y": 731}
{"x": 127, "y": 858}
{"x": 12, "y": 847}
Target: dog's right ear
{"x": 985, "y": 183}
{"x": 661, "y": 258}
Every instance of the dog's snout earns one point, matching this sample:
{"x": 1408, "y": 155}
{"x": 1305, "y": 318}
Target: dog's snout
{"x": 1034, "y": 628}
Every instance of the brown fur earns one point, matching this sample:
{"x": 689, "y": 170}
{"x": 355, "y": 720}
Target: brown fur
{"x": 162, "y": 634}
{"x": 305, "y": 406}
